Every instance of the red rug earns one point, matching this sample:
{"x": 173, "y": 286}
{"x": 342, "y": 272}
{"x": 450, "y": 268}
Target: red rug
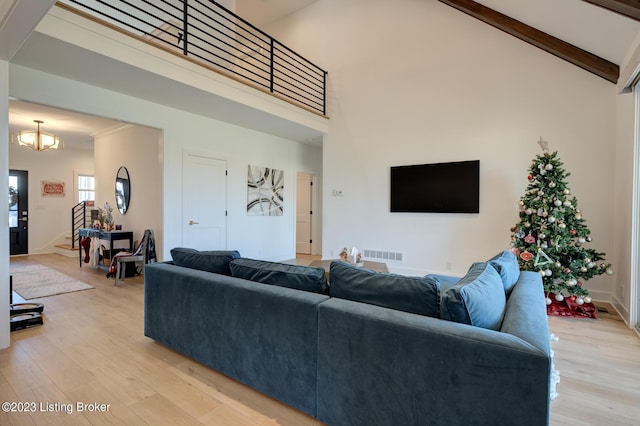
{"x": 569, "y": 308}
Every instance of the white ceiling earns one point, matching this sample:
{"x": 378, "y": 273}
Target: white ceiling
{"x": 75, "y": 129}
{"x": 262, "y": 12}
{"x": 589, "y": 27}
{"x": 592, "y": 28}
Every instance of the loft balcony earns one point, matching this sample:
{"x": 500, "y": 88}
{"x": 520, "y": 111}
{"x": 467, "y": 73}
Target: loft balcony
{"x": 193, "y": 55}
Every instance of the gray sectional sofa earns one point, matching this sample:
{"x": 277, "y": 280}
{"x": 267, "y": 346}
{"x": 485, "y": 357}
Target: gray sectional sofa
{"x": 368, "y": 348}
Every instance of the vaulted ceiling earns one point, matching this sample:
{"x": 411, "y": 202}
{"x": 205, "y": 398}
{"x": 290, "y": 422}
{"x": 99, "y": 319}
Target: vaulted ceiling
{"x": 593, "y": 34}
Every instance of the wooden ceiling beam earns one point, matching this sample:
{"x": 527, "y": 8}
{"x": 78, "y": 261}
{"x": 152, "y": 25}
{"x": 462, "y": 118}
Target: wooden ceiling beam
{"x": 573, "y": 54}
{"x": 628, "y": 8}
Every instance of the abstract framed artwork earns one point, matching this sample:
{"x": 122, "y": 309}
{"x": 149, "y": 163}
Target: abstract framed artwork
{"x": 265, "y": 191}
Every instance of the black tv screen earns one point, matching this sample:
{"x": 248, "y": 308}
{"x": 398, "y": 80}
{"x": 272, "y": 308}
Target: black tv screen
{"x": 436, "y": 188}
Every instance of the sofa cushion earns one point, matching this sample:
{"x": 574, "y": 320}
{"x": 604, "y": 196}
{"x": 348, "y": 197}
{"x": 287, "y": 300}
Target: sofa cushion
{"x": 506, "y": 264}
{"x": 307, "y": 278}
{"x": 477, "y": 299}
{"x": 418, "y": 295}
{"x": 210, "y": 261}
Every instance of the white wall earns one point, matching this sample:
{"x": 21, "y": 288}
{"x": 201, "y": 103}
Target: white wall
{"x": 50, "y": 217}
{"x": 4, "y": 213}
{"x": 269, "y": 238}
{"x": 263, "y": 237}
{"x": 138, "y": 149}
{"x": 622, "y": 206}
{"x": 418, "y": 82}
{"x": 622, "y": 293}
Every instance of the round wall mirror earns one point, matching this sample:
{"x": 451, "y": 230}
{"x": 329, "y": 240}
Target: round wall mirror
{"x": 123, "y": 190}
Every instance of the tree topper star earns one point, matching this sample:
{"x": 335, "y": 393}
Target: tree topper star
{"x": 543, "y": 144}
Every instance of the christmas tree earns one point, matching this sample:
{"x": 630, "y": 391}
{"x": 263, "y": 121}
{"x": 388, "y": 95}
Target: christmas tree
{"x": 551, "y": 235}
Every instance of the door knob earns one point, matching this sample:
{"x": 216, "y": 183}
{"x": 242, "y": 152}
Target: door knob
{"x": 192, "y": 222}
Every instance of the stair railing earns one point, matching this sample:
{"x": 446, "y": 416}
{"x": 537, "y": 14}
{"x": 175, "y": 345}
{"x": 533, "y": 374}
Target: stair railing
{"x": 78, "y": 220}
{"x": 215, "y": 37}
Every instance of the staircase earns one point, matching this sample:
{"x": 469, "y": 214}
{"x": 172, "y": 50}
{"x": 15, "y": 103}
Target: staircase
{"x": 80, "y": 218}
{"x": 68, "y": 249}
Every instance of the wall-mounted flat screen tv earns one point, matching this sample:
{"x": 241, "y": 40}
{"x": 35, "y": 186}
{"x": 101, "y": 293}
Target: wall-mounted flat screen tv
{"x": 436, "y": 188}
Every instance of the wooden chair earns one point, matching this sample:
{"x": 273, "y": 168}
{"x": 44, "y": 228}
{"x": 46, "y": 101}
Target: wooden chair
{"x": 140, "y": 255}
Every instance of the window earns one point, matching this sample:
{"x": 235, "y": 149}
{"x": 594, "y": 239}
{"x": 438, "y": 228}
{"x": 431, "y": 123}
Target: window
{"x": 86, "y": 188}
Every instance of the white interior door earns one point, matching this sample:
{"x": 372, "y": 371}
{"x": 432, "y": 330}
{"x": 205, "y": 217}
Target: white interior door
{"x": 304, "y": 213}
{"x": 204, "y": 202}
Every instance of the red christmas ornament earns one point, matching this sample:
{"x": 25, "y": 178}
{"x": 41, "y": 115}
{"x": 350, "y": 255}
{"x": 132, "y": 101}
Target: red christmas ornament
{"x": 529, "y": 239}
{"x": 573, "y": 232}
{"x": 530, "y": 177}
{"x": 526, "y": 256}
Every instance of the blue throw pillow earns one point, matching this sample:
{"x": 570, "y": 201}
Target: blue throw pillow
{"x": 506, "y": 263}
{"x": 210, "y": 261}
{"x": 418, "y": 295}
{"x": 307, "y": 278}
{"x": 477, "y": 299}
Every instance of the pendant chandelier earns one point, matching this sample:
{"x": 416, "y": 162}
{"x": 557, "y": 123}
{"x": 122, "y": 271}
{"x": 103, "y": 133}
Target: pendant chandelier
{"x": 38, "y": 140}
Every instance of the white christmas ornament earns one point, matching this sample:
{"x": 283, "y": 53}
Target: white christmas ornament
{"x": 549, "y": 167}
{"x": 567, "y": 203}
{"x": 551, "y": 219}
{"x": 547, "y": 301}
{"x": 559, "y": 297}
{"x": 587, "y": 299}
{"x": 552, "y": 184}
{"x": 609, "y": 271}
{"x": 580, "y": 301}
{"x": 557, "y": 203}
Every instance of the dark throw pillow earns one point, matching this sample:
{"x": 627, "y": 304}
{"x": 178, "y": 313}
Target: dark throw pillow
{"x": 299, "y": 277}
{"x": 216, "y": 261}
{"x": 417, "y": 295}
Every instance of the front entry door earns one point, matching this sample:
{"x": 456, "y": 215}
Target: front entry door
{"x": 204, "y": 202}
{"x": 18, "y": 212}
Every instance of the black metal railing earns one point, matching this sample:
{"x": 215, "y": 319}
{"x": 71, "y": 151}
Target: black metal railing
{"x": 213, "y": 35}
{"x": 79, "y": 220}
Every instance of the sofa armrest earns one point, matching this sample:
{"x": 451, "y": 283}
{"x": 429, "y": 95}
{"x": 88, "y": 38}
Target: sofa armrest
{"x": 380, "y": 366}
{"x": 526, "y": 312}
{"x": 262, "y": 335}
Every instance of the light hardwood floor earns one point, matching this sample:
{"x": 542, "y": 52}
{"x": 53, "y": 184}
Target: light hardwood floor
{"x": 91, "y": 349}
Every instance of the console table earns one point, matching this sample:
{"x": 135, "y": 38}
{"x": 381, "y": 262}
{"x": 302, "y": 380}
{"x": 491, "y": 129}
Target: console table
{"x": 109, "y": 236}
